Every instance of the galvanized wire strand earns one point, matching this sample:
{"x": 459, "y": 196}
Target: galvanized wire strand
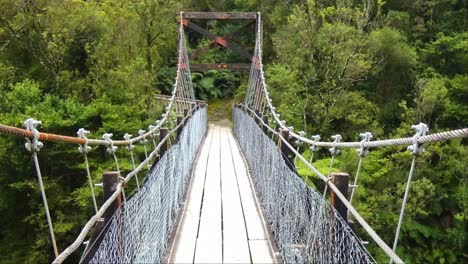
{"x": 308, "y": 170}
{"x": 353, "y": 189}
{"x": 116, "y": 161}
{"x": 133, "y": 165}
{"x": 403, "y": 205}
{"x": 244, "y": 118}
{"x": 44, "y": 200}
{"x": 90, "y": 181}
{"x": 329, "y": 175}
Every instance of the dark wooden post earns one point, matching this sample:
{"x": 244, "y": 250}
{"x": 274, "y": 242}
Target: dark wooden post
{"x": 110, "y": 180}
{"x": 163, "y": 132}
{"x": 179, "y": 122}
{"x": 265, "y": 124}
{"x": 257, "y": 117}
{"x": 285, "y": 150}
{"x": 341, "y": 181}
{"x": 186, "y": 112}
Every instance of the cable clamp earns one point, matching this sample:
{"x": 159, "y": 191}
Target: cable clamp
{"x": 142, "y": 132}
{"x": 83, "y": 149}
{"x": 33, "y": 145}
{"x": 421, "y": 130}
{"x": 122, "y": 180}
{"x": 110, "y": 148}
{"x": 315, "y": 139}
{"x": 127, "y": 138}
{"x": 152, "y": 128}
{"x": 336, "y": 139}
{"x": 301, "y": 135}
{"x": 362, "y": 151}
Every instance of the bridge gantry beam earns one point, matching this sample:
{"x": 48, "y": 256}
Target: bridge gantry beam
{"x": 218, "y": 40}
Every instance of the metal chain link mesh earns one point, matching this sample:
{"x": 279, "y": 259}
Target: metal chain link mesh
{"x": 140, "y": 229}
{"x": 305, "y": 227}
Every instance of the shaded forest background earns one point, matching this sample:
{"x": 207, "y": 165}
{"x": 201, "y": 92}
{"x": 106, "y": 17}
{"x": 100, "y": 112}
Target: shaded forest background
{"x": 332, "y": 66}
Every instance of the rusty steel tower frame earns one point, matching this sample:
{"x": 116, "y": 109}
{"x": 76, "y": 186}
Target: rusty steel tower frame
{"x": 219, "y": 41}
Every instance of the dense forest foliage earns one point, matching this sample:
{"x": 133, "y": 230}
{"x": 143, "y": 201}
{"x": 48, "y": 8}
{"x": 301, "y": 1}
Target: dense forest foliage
{"x": 333, "y": 66}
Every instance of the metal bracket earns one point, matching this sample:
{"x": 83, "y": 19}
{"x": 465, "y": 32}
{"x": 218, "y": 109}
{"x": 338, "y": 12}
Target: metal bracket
{"x": 363, "y": 151}
{"x": 421, "y": 130}
{"x": 83, "y": 149}
{"x": 127, "y": 138}
{"x": 315, "y": 139}
{"x": 33, "y": 145}
{"x": 110, "y": 148}
{"x": 336, "y": 139}
{"x": 141, "y": 133}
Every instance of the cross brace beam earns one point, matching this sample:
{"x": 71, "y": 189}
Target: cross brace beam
{"x": 220, "y": 66}
{"x": 214, "y": 44}
{"x": 221, "y": 41}
{"x": 221, "y": 15}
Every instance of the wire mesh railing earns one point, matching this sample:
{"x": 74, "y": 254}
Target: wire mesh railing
{"x": 305, "y": 227}
{"x": 139, "y": 230}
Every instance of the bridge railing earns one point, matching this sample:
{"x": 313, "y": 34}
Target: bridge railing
{"x": 185, "y": 116}
{"x": 139, "y": 230}
{"x": 260, "y": 106}
{"x": 306, "y": 228}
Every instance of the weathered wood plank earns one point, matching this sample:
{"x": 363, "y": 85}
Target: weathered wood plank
{"x": 221, "y": 221}
{"x": 183, "y": 250}
{"x": 235, "y": 244}
{"x": 261, "y": 252}
{"x": 253, "y": 218}
{"x": 209, "y": 243}
{"x": 220, "y": 15}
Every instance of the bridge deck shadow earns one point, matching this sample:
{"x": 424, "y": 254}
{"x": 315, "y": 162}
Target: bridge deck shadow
{"x": 221, "y": 221}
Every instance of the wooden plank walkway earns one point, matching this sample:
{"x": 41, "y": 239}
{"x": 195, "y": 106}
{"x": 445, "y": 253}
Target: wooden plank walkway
{"x": 221, "y": 220}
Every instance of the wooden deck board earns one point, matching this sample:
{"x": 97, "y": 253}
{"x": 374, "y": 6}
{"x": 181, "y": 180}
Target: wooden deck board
{"x": 255, "y": 228}
{"x": 210, "y": 241}
{"x": 221, "y": 222}
{"x": 185, "y": 247}
{"x": 260, "y": 251}
{"x": 235, "y": 242}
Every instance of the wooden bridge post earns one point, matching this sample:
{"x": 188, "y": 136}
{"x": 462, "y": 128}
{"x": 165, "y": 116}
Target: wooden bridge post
{"x": 257, "y": 117}
{"x": 341, "y": 180}
{"x": 163, "y": 132}
{"x": 110, "y": 180}
{"x": 285, "y": 150}
{"x": 180, "y": 119}
{"x": 265, "y": 124}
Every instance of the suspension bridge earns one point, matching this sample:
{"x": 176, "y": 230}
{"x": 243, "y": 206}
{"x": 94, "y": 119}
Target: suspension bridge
{"x": 216, "y": 194}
